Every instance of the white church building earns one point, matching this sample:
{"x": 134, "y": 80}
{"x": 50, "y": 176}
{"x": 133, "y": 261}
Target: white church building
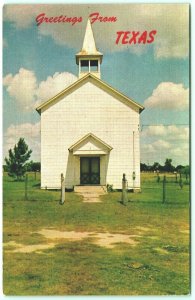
{"x": 90, "y": 131}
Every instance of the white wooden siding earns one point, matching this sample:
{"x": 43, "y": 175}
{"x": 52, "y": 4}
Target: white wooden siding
{"x": 89, "y": 109}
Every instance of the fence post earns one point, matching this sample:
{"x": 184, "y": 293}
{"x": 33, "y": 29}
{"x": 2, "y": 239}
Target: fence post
{"x": 158, "y": 177}
{"x": 180, "y": 181}
{"x": 26, "y": 187}
{"x": 62, "y": 189}
{"x": 186, "y": 177}
{"x": 176, "y": 177}
{"x": 124, "y": 189}
{"x": 164, "y": 189}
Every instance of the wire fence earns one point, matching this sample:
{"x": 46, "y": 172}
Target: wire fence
{"x": 28, "y": 188}
{"x": 168, "y": 186}
{"x": 161, "y": 188}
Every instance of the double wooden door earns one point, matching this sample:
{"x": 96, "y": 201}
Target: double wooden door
{"x": 90, "y": 170}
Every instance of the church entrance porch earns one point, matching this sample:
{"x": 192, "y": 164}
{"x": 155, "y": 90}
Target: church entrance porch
{"x": 89, "y": 159}
{"x": 89, "y": 170}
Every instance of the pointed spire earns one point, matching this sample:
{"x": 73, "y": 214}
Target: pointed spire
{"x": 89, "y": 46}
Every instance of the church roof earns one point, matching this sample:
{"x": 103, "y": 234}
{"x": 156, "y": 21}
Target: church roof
{"x": 101, "y": 84}
{"x": 89, "y": 46}
{"x": 86, "y": 138}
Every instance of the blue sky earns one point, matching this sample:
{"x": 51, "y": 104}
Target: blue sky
{"x": 39, "y": 61}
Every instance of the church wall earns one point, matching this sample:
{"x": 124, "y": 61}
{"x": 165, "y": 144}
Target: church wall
{"x": 89, "y": 109}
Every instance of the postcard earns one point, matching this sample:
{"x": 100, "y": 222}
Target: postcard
{"x": 96, "y": 169}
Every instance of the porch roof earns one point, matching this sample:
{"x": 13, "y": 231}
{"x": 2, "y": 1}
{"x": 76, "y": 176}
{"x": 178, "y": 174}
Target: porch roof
{"x": 90, "y": 145}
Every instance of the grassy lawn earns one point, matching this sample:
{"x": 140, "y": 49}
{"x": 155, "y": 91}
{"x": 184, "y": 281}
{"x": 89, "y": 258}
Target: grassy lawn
{"x": 157, "y": 265}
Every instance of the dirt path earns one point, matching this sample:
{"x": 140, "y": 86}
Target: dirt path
{"x": 55, "y": 237}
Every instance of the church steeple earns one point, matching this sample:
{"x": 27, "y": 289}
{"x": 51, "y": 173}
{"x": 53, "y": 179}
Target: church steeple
{"x": 89, "y": 58}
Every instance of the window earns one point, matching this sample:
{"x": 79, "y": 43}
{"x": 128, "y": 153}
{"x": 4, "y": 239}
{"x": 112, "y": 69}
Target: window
{"x": 89, "y": 65}
{"x": 94, "y": 65}
{"x": 84, "y": 65}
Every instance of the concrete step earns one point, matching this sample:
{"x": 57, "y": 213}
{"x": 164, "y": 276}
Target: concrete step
{"x": 91, "y": 193}
{"x": 91, "y": 189}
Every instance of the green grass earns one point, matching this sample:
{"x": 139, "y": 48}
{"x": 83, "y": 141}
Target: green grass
{"x": 82, "y": 268}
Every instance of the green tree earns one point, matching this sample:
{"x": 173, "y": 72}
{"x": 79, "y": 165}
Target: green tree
{"x": 33, "y": 166}
{"x": 186, "y": 171}
{"x": 156, "y": 166}
{"x": 17, "y": 160}
{"x": 143, "y": 167}
{"x": 179, "y": 168}
{"x": 168, "y": 165}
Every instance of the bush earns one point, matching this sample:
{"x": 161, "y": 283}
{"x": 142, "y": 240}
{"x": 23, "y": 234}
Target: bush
{"x": 109, "y": 188}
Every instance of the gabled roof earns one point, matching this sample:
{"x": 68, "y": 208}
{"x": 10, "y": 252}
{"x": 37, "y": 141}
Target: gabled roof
{"x": 97, "y": 81}
{"x": 90, "y": 144}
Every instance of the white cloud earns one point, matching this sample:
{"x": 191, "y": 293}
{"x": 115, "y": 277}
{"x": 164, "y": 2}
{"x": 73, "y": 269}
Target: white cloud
{"x": 25, "y": 129}
{"x": 7, "y": 80}
{"x": 161, "y": 142}
{"x": 161, "y": 145}
{"x": 154, "y": 131}
{"x": 29, "y": 131}
{"x": 170, "y": 20}
{"x": 22, "y": 16}
{"x": 24, "y": 89}
{"x": 159, "y": 151}
{"x": 53, "y": 85}
{"x": 168, "y": 95}
{"x": 171, "y": 132}
{"x": 21, "y": 87}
